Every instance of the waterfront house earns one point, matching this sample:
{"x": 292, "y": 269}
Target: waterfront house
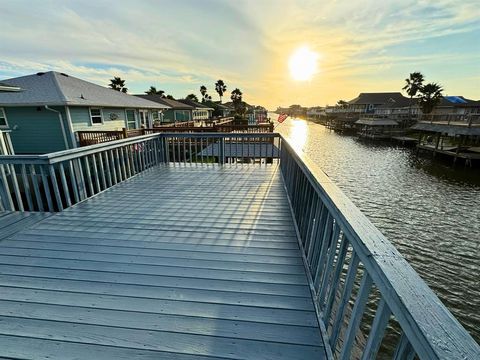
{"x": 456, "y": 109}
{"x": 367, "y": 102}
{"x": 200, "y": 111}
{"x": 222, "y": 110}
{"x": 344, "y": 116}
{"x": 375, "y": 127}
{"x": 177, "y": 111}
{"x": 315, "y": 112}
{"x": 45, "y": 110}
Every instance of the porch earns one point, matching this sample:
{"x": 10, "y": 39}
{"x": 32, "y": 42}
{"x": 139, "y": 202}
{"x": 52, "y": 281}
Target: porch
{"x": 155, "y": 252}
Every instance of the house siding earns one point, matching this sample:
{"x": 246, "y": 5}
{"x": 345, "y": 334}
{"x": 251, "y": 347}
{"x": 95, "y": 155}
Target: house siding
{"x": 80, "y": 117}
{"x": 35, "y": 130}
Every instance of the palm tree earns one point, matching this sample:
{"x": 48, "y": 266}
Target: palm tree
{"x": 412, "y": 87}
{"x": 118, "y": 84}
{"x": 220, "y": 88}
{"x": 153, "y": 91}
{"x": 236, "y": 95}
{"x": 237, "y": 99}
{"x": 192, "y": 97}
{"x": 203, "y": 91}
{"x": 430, "y": 97}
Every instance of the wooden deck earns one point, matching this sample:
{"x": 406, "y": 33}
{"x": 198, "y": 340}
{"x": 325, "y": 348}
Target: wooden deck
{"x": 185, "y": 262}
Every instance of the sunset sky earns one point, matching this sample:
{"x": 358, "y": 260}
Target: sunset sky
{"x": 177, "y": 46}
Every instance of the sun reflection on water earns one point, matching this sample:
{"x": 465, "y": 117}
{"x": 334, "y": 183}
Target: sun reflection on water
{"x": 298, "y": 133}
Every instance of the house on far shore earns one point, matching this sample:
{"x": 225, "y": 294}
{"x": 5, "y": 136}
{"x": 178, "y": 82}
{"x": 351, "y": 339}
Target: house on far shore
{"x": 200, "y": 111}
{"x": 223, "y": 110}
{"x": 44, "y": 111}
{"x": 456, "y": 109}
{"x": 177, "y": 111}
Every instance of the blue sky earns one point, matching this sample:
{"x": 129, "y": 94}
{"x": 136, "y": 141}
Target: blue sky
{"x": 177, "y": 46}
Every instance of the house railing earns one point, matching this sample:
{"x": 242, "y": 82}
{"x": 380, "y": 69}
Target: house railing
{"x": 87, "y": 138}
{"x": 177, "y": 123}
{"x": 349, "y": 263}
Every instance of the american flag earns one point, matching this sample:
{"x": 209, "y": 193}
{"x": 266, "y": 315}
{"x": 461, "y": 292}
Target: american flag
{"x": 282, "y": 117}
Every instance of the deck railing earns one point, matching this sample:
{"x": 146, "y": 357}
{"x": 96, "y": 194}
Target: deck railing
{"x": 53, "y": 182}
{"x": 360, "y": 283}
{"x": 86, "y": 138}
{"x": 350, "y": 263}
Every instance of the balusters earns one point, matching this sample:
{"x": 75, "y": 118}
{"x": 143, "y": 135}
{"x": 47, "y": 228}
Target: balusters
{"x": 63, "y": 180}
{"x": 325, "y": 243}
{"x": 89, "y": 176}
{"x": 112, "y": 166}
{"x": 26, "y": 186}
{"x": 46, "y": 188}
{"x": 102, "y": 171}
{"x": 329, "y": 264}
{"x": 56, "y": 190}
{"x": 342, "y": 305}
{"x": 95, "y": 173}
{"x": 404, "y": 350}
{"x": 380, "y": 322}
{"x": 357, "y": 314}
{"x": 16, "y": 188}
{"x": 9, "y": 201}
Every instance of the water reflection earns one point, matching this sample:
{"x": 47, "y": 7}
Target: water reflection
{"x": 297, "y": 134}
{"x": 430, "y": 211}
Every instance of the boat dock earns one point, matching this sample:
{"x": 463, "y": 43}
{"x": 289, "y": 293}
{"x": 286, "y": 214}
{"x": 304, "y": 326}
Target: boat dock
{"x": 143, "y": 249}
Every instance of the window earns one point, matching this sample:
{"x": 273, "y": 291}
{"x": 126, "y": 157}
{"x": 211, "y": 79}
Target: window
{"x": 3, "y": 117}
{"x": 182, "y": 115}
{"x": 131, "y": 120}
{"x": 96, "y": 116}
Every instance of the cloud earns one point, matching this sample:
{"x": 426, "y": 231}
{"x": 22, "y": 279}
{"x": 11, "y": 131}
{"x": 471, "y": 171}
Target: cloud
{"x": 179, "y": 45}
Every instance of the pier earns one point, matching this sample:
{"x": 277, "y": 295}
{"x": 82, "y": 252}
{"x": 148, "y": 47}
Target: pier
{"x": 151, "y": 246}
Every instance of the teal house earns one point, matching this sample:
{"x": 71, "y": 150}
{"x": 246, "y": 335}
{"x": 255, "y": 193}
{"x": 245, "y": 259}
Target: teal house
{"x": 44, "y": 111}
{"x": 177, "y": 111}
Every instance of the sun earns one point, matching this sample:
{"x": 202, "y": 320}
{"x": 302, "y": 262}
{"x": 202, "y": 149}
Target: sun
{"x": 303, "y": 64}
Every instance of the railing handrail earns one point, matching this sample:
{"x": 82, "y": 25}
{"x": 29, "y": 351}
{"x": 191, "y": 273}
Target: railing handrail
{"x": 430, "y": 327}
{"x": 74, "y": 153}
{"x": 63, "y": 155}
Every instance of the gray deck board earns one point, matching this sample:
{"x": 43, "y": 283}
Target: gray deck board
{"x": 12, "y": 222}
{"x": 186, "y": 262}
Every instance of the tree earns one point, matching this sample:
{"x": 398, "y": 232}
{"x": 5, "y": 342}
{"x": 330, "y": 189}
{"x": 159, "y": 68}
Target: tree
{"x": 412, "y": 86}
{"x": 205, "y": 96}
{"x": 203, "y": 90}
{"x": 237, "y": 99}
{"x": 153, "y": 91}
{"x": 220, "y": 88}
{"x": 430, "y": 96}
{"x": 192, "y": 97}
{"x": 170, "y": 97}
{"x": 118, "y": 84}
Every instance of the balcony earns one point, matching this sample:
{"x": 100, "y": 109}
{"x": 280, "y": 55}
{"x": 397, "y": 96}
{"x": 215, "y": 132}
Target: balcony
{"x": 202, "y": 246}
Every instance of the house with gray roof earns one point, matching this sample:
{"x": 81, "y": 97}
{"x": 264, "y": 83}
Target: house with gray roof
{"x": 177, "y": 111}
{"x": 200, "y": 111}
{"x": 45, "y": 110}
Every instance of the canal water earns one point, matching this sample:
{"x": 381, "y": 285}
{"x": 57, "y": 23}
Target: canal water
{"x": 430, "y": 211}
